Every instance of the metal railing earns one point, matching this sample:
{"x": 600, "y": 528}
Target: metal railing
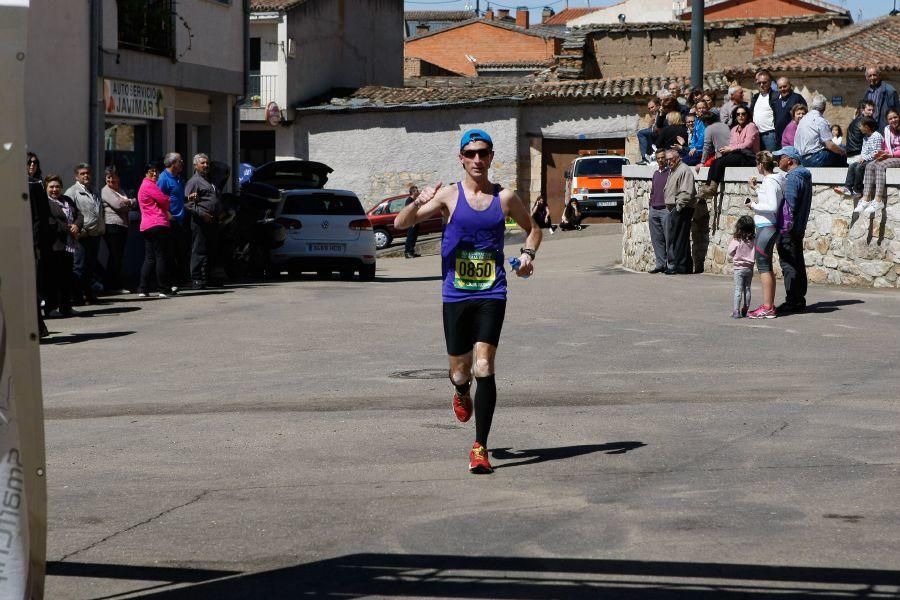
{"x": 262, "y": 87}
{"x": 147, "y": 26}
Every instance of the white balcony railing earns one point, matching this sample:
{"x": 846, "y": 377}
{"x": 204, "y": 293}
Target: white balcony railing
{"x": 262, "y": 87}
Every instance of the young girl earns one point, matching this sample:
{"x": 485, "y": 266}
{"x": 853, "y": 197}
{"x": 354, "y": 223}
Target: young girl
{"x": 742, "y": 252}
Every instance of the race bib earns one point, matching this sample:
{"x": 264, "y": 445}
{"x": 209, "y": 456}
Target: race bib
{"x": 475, "y": 270}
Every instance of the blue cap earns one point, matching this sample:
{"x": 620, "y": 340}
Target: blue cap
{"x": 788, "y": 151}
{"x": 475, "y": 135}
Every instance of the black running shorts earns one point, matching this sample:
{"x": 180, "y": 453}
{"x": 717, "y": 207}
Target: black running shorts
{"x": 472, "y": 321}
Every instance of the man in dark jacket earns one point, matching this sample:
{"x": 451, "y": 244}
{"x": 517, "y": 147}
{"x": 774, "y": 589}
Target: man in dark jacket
{"x": 205, "y": 206}
{"x": 40, "y": 229}
{"x": 412, "y": 234}
{"x": 782, "y": 105}
{"x": 882, "y": 94}
{"x": 798, "y": 196}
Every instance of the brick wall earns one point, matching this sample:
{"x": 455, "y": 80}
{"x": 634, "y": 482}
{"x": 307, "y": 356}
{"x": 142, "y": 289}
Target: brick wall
{"x": 667, "y": 52}
{"x": 487, "y": 43}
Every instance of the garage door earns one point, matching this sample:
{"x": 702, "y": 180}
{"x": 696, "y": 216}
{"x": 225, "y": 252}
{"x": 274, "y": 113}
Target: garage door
{"x": 556, "y": 156}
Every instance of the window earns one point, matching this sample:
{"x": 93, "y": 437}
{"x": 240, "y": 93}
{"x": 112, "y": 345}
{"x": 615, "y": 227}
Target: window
{"x": 397, "y": 205}
{"x": 321, "y": 204}
{"x": 147, "y": 26}
{"x": 599, "y": 166}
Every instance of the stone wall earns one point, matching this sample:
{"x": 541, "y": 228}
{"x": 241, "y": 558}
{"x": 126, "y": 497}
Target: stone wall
{"x": 839, "y": 248}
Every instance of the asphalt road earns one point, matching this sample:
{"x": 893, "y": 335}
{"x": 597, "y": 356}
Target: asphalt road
{"x": 295, "y": 439}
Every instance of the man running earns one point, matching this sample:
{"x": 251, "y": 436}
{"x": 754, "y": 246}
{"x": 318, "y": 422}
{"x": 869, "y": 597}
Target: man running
{"x": 474, "y": 277}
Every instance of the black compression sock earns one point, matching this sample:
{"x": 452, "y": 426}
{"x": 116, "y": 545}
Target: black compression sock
{"x": 485, "y": 402}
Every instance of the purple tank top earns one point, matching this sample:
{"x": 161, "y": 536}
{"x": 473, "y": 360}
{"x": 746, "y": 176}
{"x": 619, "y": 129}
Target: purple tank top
{"x": 472, "y": 252}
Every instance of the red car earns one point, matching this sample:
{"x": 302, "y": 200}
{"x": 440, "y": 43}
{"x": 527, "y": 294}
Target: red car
{"x": 382, "y": 217}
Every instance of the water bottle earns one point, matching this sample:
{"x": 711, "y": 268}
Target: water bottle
{"x": 515, "y": 263}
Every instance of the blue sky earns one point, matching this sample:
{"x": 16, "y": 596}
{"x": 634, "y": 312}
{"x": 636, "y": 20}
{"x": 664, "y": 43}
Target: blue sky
{"x": 870, "y": 8}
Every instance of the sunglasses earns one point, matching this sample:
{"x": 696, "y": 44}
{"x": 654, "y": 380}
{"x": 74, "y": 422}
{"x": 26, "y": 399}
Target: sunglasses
{"x": 483, "y": 153}
{"x": 741, "y": 114}
{"x": 33, "y": 162}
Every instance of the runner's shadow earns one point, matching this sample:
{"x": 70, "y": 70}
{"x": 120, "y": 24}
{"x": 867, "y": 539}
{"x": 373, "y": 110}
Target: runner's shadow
{"x": 534, "y": 456}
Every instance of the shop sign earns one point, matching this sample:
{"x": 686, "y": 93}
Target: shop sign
{"x": 273, "y": 114}
{"x": 130, "y": 99}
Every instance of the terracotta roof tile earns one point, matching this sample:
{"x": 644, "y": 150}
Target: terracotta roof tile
{"x": 872, "y": 43}
{"x": 274, "y": 5}
{"x": 566, "y": 15}
{"x": 470, "y": 91}
{"x": 537, "y": 30}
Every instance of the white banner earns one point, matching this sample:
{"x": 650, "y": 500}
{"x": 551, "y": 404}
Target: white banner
{"x": 13, "y": 517}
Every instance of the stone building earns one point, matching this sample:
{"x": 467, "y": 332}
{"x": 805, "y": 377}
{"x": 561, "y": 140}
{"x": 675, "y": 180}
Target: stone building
{"x": 625, "y": 49}
{"x": 159, "y": 78}
{"x": 379, "y": 140}
{"x": 835, "y": 67}
{"x": 302, "y": 49}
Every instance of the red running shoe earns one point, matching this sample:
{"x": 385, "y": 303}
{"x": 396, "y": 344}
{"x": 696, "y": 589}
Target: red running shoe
{"x": 478, "y": 460}
{"x": 462, "y": 406}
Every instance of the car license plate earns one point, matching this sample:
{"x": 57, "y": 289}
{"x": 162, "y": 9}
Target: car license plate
{"x": 327, "y": 247}
{"x": 607, "y": 203}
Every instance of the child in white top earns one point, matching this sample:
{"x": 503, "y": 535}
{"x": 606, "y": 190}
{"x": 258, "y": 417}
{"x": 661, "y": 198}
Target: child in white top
{"x": 872, "y": 143}
{"x": 742, "y": 252}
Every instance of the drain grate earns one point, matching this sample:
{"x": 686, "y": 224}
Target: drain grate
{"x": 420, "y": 374}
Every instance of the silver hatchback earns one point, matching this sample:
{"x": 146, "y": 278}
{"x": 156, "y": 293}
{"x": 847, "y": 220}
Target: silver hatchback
{"x": 327, "y": 231}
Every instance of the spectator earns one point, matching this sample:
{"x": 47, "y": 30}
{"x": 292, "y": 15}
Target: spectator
{"x": 716, "y": 136}
{"x": 783, "y": 106}
{"x": 674, "y": 134}
{"x": 658, "y": 213}
{"x": 741, "y": 148}
{"x": 883, "y": 96}
{"x": 866, "y": 108}
{"x": 92, "y": 210}
{"x": 873, "y": 143}
{"x": 155, "y": 217}
{"x": 695, "y": 96}
{"x": 837, "y": 135}
{"x": 118, "y": 205}
{"x": 735, "y": 99}
{"x": 676, "y": 92}
{"x": 798, "y": 111}
{"x": 874, "y": 188}
{"x": 710, "y": 98}
{"x": 741, "y": 250}
{"x": 762, "y": 106}
{"x": 40, "y": 230}
{"x": 680, "y": 200}
{"x": 798, "y": 199}
{"x": 813, "y": 138}
{"x": 412, "y": 233}
{"x": 695, "y": 147}
{"x": 540, "y": 212}
{"x": 171, "y": 183}
{"x": 205, "y": 206}
{"x": 65, "y": 227}
{"x": 770, "y": 195}
{"x": 571, "y": 217}
{"x": 646, "y": 133}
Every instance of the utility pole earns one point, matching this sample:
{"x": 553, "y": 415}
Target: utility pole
{"x": 697, "y": 43}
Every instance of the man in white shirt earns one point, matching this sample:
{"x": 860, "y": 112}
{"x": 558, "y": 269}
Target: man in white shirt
{"x": 762, "y": 107}
{"x": 813, "y": 139}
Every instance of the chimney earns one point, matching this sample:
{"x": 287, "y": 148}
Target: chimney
{"x": 488, "y": 15}
{"x": 522, "y": 17}
{"x": 546, "y": 14}
{"x": 422, "y": 29}
{"x": 503, "y": 13}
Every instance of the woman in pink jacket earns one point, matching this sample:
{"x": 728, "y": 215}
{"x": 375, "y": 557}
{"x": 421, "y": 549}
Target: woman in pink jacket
{"x": 155, "y": 217}
{"x": 741, "y": 149}
{"x": 874, "y": 179}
